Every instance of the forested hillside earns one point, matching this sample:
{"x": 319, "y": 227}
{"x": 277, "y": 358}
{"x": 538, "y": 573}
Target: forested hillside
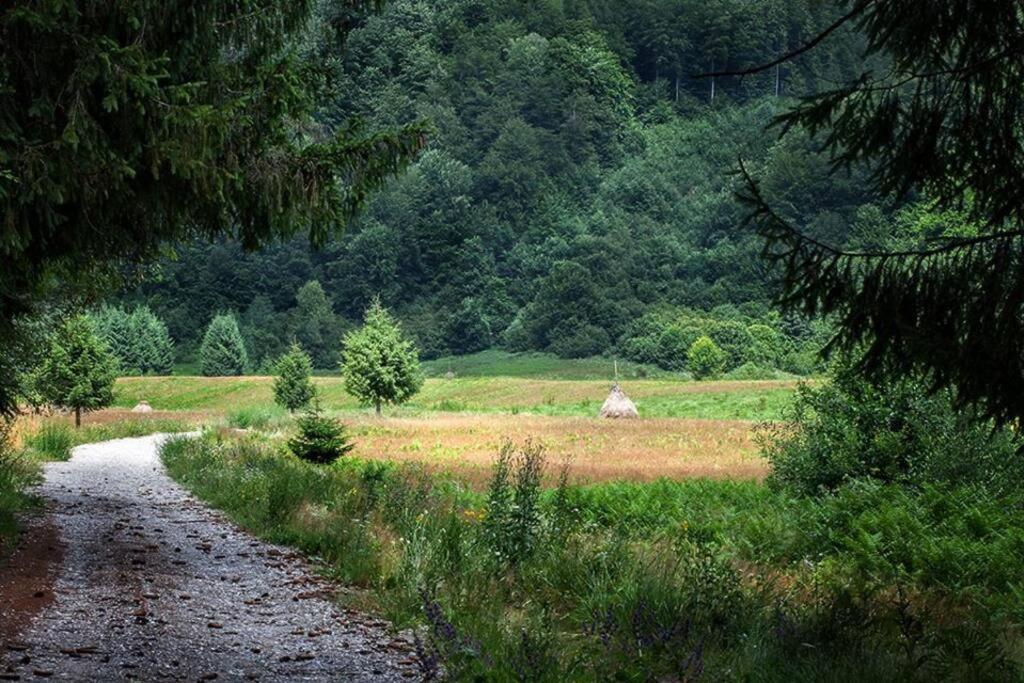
{"x": 575, "y": 195}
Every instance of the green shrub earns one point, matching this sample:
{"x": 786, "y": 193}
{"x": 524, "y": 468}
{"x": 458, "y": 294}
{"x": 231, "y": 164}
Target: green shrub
{"x": 751, "y": 371}
{"x": 319, "y": 439}
{"x": 894, "y": 431}
{"x": 16, "y": 473}
{"x": 733, "y": 339}
{"x": 704, "y": 359}
{"x": 767, "y": 346}
{"x": 53, "y": 440}
{"x": 806, "y": 361}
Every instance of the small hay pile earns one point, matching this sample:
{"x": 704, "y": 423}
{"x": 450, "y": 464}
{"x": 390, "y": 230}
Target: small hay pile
{"x": 618, "y": 405}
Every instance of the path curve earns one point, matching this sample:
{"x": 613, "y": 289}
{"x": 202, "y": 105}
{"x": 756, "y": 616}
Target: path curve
{"x": 153, "y": 585}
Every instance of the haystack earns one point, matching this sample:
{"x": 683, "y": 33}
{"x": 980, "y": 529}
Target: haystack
{"x": 142, "y": 407}
{"x": 618, "y": 405}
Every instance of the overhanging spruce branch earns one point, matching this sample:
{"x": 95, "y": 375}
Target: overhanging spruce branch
{"x": 762, "y": 211}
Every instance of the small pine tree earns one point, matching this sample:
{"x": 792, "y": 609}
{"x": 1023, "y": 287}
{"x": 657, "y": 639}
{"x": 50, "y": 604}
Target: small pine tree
{"x": 139, "y": 341}
{"x": 152, "y": 347}
{"x": 113, "y": 326}
{"x": 320, "y": 439}
{"x": 223, "y": 351}
{"x": 78, "y": 372}
{"x": 705, "y": 359}
{"x": 380, "y": 366}
{"x": 293, "y": 388}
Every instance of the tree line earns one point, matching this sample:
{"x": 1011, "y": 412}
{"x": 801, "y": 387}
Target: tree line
{"x": 84, "y": 355}
{"x": 575, "y": 181}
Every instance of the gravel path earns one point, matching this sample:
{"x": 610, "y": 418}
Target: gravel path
{"x": 153, "y": 585}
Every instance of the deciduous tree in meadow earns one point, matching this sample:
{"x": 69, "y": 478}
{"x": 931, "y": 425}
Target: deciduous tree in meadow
{"x": 705, "y": 359}
{"x": 379, "y": 364}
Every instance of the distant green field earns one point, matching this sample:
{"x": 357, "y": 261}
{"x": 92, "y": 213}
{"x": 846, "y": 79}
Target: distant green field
{"x": 495, "y": 363}
{"x": 748, "y": 400}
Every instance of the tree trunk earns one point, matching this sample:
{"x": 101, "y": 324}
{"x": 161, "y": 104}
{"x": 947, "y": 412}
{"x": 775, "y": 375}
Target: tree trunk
{"x": 712, "y": 81}
{"x": 377, "y": 405}
{"x": 677, "y": 87}
{"x": 776, "y": 80}
{"x": 78, "y": 417}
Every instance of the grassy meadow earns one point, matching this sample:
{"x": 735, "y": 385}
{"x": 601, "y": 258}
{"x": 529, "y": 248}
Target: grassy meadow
{"x": 670, "y": 398}
{"x": 689, "y": 429}
{"x": 531, "y": 540}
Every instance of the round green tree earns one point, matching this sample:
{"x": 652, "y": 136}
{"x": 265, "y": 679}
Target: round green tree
{"x": 766, "y": 349}
{"x": 293, "y": 388}
{"x": 705, "y": 358}
{"x": 77, "y": 372}
{"x": 379, "y": 364}
{"x": 223, "y": 351}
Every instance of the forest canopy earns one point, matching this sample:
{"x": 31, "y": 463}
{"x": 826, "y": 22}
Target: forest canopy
{"x": 576, "y": 180}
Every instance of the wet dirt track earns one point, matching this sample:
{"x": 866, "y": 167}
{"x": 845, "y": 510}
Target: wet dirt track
{"x": 152, "y": 585}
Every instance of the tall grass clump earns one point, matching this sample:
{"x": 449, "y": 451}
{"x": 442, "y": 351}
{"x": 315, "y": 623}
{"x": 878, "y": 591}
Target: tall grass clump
{"x": 256, "y": 417}
{"x": 52, "y": 441}
{"x": 54, "y": 438}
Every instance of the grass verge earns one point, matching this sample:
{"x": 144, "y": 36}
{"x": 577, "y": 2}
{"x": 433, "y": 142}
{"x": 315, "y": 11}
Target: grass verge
{"x": 16, "y": 473}
{"x": 660, "y": 581}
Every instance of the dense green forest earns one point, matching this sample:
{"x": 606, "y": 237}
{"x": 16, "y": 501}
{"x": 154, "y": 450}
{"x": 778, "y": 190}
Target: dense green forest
{"x": 576, "y": 193}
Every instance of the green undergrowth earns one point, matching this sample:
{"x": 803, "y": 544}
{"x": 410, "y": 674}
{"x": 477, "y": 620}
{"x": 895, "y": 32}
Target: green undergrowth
{"x": 17, "y": 472}
{"x": 258, "y": 417}
{"x": 664, "y": 581}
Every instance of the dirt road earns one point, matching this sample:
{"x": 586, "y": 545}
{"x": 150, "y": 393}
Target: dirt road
{"x": 126, "y": 576}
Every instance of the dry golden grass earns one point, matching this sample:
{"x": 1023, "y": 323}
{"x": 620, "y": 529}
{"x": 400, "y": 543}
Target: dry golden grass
{"x": 599, "y": 450}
